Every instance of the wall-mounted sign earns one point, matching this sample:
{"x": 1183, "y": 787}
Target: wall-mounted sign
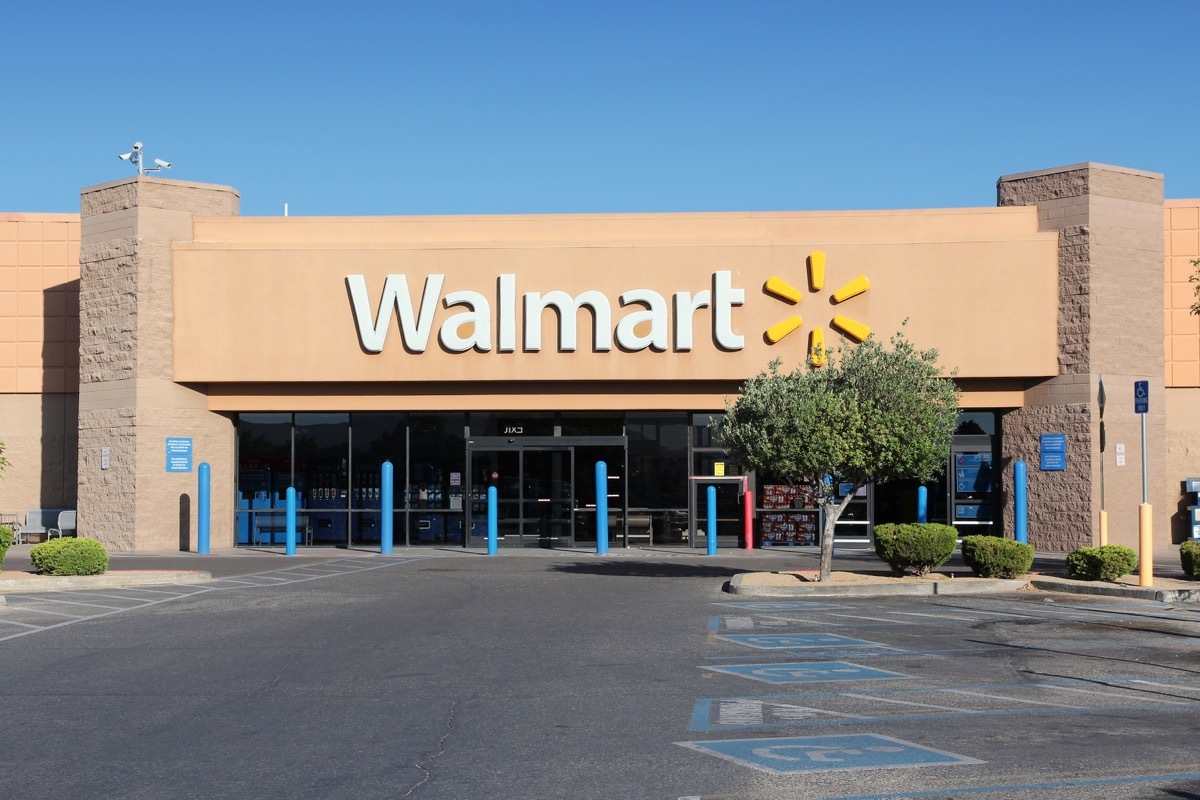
{"x": 1120, "y": 455}
{"x": 1052, "y": 449}
{"x": 719, "y": 469}
{"x": 104, "y": 458}
{"x": 179, "y": 454}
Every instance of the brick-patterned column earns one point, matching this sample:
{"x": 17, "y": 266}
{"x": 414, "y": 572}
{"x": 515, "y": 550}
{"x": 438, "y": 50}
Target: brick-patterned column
{"x": 128, "y": 401}
{"x": 1110, "y": 323}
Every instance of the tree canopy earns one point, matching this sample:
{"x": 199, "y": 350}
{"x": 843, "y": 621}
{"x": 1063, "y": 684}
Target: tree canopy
{"x": 870, "y": 415}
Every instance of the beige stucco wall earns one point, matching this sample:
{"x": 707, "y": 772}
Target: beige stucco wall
{"x": 127, "y": 400}
{"x": 965, "y": 280}
{"x": 1110, "y": 260}
{"x": 1181, "y": 242}
{"x": 39, "y": 359}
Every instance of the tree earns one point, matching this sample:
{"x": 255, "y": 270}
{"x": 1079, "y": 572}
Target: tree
{"x": 3, "y": 461}
{"x": 870, "y": 415}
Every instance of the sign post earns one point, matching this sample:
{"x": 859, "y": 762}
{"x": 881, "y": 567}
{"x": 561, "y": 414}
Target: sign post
{"x": 1141, "y": 407}
{"x": 1100, "y": 399}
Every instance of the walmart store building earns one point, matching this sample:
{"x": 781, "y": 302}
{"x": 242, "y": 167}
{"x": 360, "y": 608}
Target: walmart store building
{"x": 158, "y": 329}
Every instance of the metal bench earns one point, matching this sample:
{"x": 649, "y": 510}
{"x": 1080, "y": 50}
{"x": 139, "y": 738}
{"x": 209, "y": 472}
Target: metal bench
{"x": 38, "y": 521}
{"x": 65, "y": 525}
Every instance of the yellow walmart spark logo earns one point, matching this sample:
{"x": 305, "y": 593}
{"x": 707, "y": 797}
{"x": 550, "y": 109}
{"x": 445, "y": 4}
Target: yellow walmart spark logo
{"x": 816, "y": 282}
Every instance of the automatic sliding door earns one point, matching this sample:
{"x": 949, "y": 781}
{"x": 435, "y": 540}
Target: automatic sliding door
{"x": 547, "y": 498}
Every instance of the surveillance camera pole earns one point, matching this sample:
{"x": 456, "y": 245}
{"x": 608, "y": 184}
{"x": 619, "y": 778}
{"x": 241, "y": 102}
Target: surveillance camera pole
{"x": 134, "y": 157}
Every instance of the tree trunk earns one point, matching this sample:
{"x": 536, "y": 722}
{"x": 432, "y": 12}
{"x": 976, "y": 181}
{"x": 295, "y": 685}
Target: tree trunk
{"x": 831, "y": 514}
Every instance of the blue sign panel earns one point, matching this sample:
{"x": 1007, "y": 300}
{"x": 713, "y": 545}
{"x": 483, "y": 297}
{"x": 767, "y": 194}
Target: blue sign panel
{"x": 807, "y": 672}
{"x": 776, "y": 641}
{"x": 1141, "y": 397}
{"x": 1052, "y": 452}
{"x": 800, "y": 754}
{"x": 179, "y": 454}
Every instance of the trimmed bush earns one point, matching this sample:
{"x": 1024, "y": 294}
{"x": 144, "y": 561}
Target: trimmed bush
{"x": 69, "y": 557}
{"x": 1189, "y": 557}
{"x": 6, "y": 540}
{"x": 1105, "y": 563}
{"x": 915, "y": 548}
{"x": 995, "y": 557}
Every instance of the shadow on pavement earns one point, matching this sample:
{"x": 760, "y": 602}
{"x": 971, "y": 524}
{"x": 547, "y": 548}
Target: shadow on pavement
{"x": 648, "y": 569}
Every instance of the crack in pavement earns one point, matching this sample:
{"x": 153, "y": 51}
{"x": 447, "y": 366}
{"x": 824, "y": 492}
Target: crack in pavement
{"x": 441, "y": 750}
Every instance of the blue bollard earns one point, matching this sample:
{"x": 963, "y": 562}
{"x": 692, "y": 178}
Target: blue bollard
{"x": 712, "y": 520}
{"x": 491, "y": 520}
{"x": 291, "y": 522}
{"x": 601, "y": 508}
{"x": 385, "y": 530}
{"x": 1020, "y": 504}
{"x": 204, "y": 510}
{"x": 922, "y": 504}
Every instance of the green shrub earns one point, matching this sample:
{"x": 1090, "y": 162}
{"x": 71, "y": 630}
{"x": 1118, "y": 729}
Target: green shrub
{"x": 994, "y": 557}
{"x": 69, "y": 557}
{"x": 6, "y": 540}
{"x": 1105, "y": 563}
{"x": 1189, "y": 556}
{"x": 915, "y": 548}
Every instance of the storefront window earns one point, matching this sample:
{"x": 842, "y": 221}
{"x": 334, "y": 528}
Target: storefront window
{"x": 322, "y": 473}
{"x": 592, "y": 424}
{"x": 702, "y": 432}
{"x": 658, "y": 460}
{"x": 264, "y": 456}
{"x": 435, "y": 482}
{"x": 376, "y": 438}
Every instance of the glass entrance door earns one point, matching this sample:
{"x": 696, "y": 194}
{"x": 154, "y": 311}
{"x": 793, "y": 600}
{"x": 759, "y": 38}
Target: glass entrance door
{"x": 534, "y": 495}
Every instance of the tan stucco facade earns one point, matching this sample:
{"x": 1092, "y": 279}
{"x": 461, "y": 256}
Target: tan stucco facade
{"x": 188, "y": 314}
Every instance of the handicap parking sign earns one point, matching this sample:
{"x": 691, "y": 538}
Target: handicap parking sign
{"x": 776, "y": 641}
{"x": 799, "y": 754}
{"x": 807, "y": 672}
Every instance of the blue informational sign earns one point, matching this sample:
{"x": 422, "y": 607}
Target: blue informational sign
{"x": 1141, "y": 397}
{"x": 1052, "y": 452}
{"x": 179, "y": 454}
{"x": 799, "y": 754}
{"x": 807, "y": 672}
{"x": 778, "y": 641}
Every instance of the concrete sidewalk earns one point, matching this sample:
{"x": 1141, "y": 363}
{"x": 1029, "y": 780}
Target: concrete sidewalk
{"x": 769, "y": 572}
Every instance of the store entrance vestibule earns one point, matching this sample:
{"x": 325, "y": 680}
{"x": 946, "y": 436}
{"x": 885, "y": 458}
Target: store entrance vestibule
{"x": 545, "y": 488}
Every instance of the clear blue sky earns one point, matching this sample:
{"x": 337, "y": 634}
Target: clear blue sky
{"x": 405, "y": 107}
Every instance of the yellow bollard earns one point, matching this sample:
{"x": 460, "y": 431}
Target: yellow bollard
{"x": 1103, "y": 528}
{"x": 1145, "y": 545}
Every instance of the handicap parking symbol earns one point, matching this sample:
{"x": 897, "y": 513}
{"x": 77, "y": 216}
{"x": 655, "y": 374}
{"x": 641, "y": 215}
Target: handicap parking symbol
{"x": 807, "y": 672}
{"x": 789, "y": 756}
{"x": 776, "y": 641}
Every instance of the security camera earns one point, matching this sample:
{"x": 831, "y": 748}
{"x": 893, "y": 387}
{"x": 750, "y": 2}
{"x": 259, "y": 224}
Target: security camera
{"x": 137, "y": 146}
{"x": 125, "y": 156}
{"x": 163, "y": 164}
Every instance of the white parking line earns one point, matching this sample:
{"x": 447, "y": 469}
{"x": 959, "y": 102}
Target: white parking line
{"x": 1011, "y": 699}
{"x": 878, "y": 698}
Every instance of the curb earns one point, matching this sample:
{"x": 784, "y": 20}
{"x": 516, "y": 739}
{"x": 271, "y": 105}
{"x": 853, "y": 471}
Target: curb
{"x": 1107, "y": 590}
{"x": 947, "y": 587}
{"x": 34, "y": 584}
{"x": 964, "y": 587}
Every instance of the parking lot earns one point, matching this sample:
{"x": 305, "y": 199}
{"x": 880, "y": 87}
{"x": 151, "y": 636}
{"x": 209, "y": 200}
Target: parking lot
{"x": 551, "y": 674}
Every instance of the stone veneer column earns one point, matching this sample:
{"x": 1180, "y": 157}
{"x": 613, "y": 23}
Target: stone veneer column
{"x": 128, "y": 401}
{"x": 1110, "y": 323}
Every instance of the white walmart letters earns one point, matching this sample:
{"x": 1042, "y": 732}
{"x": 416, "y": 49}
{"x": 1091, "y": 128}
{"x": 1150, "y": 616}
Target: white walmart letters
{"x": 471, "y": 328}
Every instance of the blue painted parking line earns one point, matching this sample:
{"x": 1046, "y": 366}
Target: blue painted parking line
{"x": 800, "y": 754}
{"x": 807, "y": 672}
{"x": 792, "y": 641}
